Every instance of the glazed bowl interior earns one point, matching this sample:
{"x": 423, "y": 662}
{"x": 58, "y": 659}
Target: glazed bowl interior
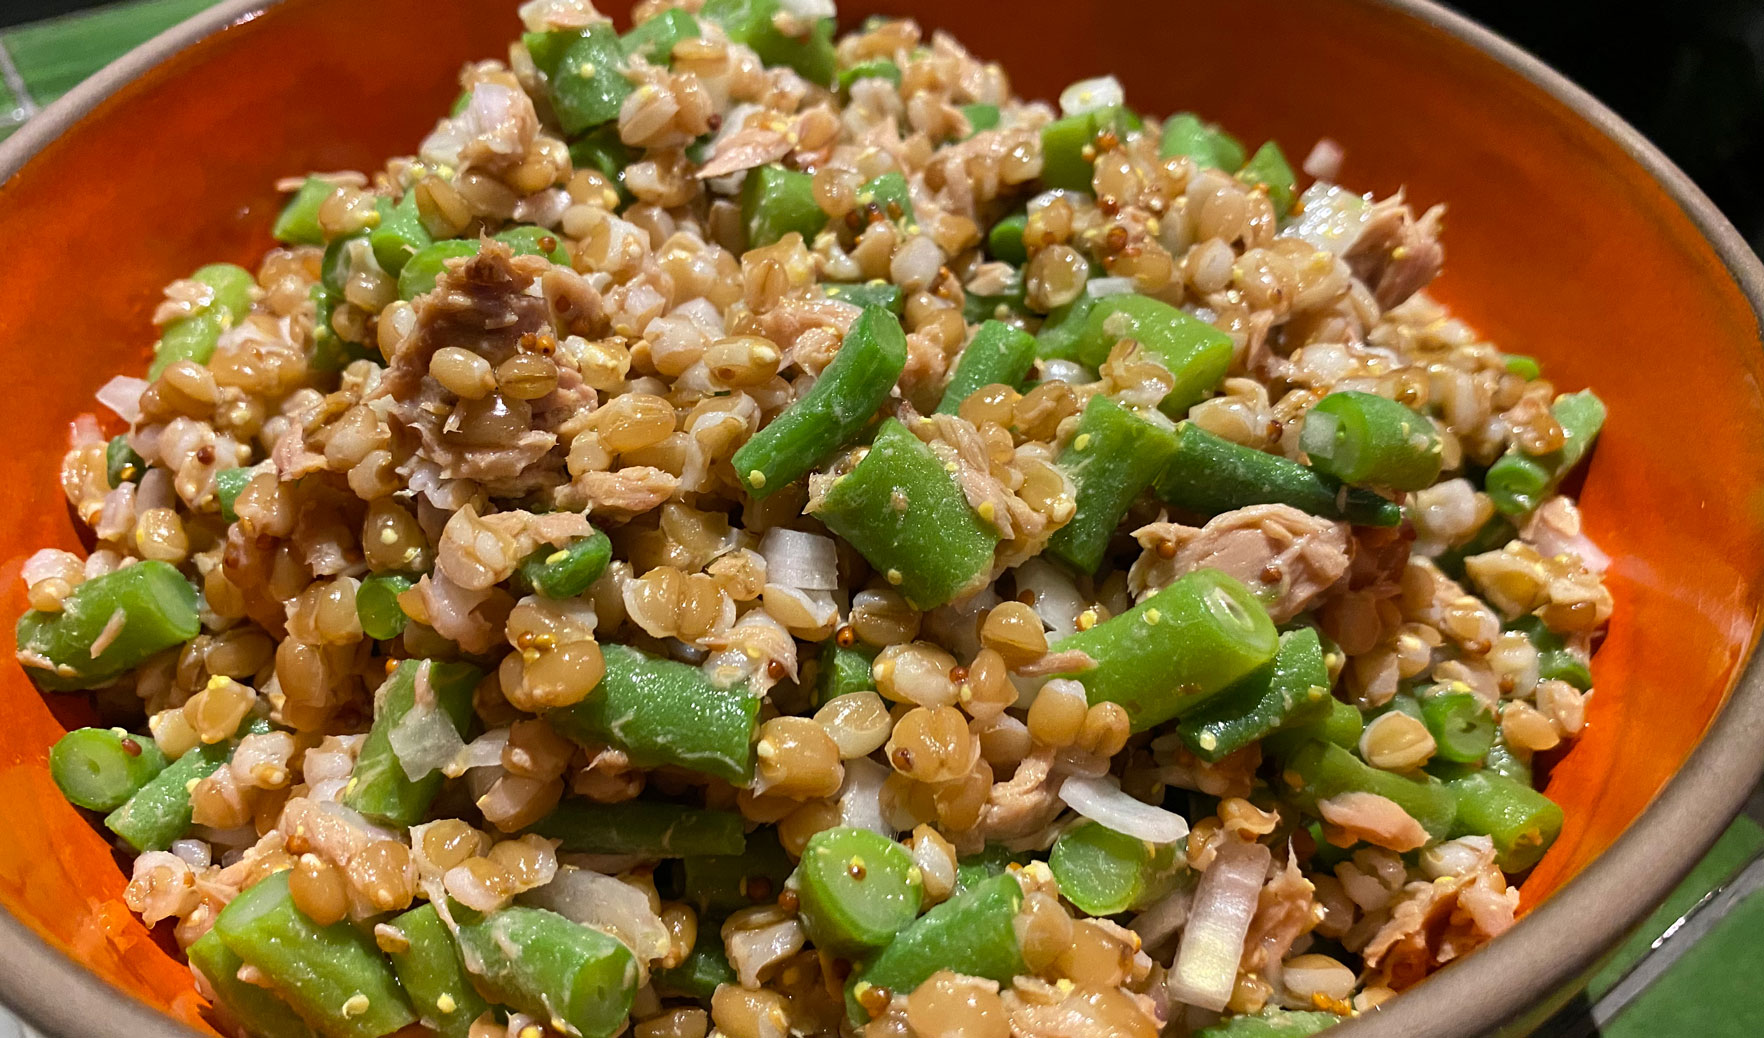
{"x": 1560, "y": 244}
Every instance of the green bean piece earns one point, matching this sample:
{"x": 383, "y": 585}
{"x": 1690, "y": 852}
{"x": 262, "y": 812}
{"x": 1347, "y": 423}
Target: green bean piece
{"x": 1367, "y": 440}
{"x": 1269, "y": 169}
{"x": 977, "y": 308}
{"x": 332, "y": 975}
{"x": 1271, "y": 1023}
{"x": 1341, "y": 726}
{"x": 550, "y": 968}
{"x": 1064, "y": 142}
{"x": 1493, "y": 534}
{"x": 1209, "y": 475}
{"x": 994, "y": 859}
{"x": 121, "y": 463}
{"x": 424, "y": 268}
{"x": 298, "y": 223}
{"x": 776, "y": 201}
{"x": 258, "y": 1010}
{"x": 129, "y": 614}
{"x": 1105, "y": 872}
{"x": 905, "y": 513}
{"x": 1555, "y": 661}
{"x": 996, "y": 353}
{"x": 527, "y": 240}
{"x": 703, "y": 970}
{"x": 376, "y": 605}
{"x": 663, "y": 712}
{"x": 1507, "y": 762}
{"x": 1177, "y": 649}
{"x": 655, "y": 36}
{"x": 866, "y": 294}
{"x": 971, "y": 933}
{"x": 193, "y": 337}
{"x": 650, "y": 828}
{"x": 981, "y": 117}
{"x": 429, "y": 968}
{"x": 874, "y": 68}
{"x": 584, "y": 73}
{"x": 602, "y": 150}
{"x": 858, "y": 889}
{"x": 1063, "y": 329}
{"x": 717, "y": 884}
{"x": 1290, "y": 690}
{"x": 567, "y": 571}
{"x": 1204, "y": 143}
{"x": 1322, "y": 770}
{"x": 840, "y": 670}
{"x": 399, "y": 235}
{"x": 1005, "y": 240}
{"x": 833, "y": 413}
{"x": 330, "y": 351}
{"x": 755, "y": 23}
{"x": 381, "y": 787}
{"x": 1525, "y": 367}
{"x": 1519, "y": 482}
{"x": 1196, "y": 353}
{"x": 101, "y": 768}
{"x": 159, "y": 812}
{"x": 1521, "y": 821}
{"x": 228, "y": 484}
{"x": 1113, "y": 456}
{"x": 887, "y": 197}
{"x": 1462, "y": 726}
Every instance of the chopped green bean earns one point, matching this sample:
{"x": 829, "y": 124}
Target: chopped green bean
{"x": 1341, "y": 726}
{"x": 663, "y": 712}
{"x": 1290, "y": 690}
{"x": 857, "y": 889}
{"x": 1508, "y": 762}
{"x": 704, "y": 969}
{"x": 1268, "y": 168}
{"x": 424, "y": 268}
{"x": 298, "y": 223}
{"x": 257, "y": 1009}
{"x": 101, "y": 768}
{"x": 602, "y": 150}
{"x": 1462, "y": 726}
{"x": 652, "y": 829}
{"x": 399, "y": 235}
{"x": 654, "y": 37}
{"x": 1492, "y": 535}
{"x": 903, "y": 511}
{"x": 121, "y": 463}
{"x": 1105, "y": 872}
{"x": 1064, "y": 143}
{"x": 887, "y": 197}
{"x": 1210, "y": 475}
{"x": 1064, "y": 327}
{"x": 1555, "y": 660}
{"x": 1113, "y": 456}
{"x": 1195, "y": 353}
{"x": 833, "y": 413}
{"x": 981, "y": 117}
{"x": 717, "y": 884}
{"x": 376, "y": 604}
{"x": 1519, "y": 482}
{"x": 1525, "y": 367}
{"x": 552, "y": 969}
{"x": 1204, "y": 143}
{"x": 381, "y": 787}
{"x": 1367, "y": 440}
{"x": 756, "y": 24}
{"x": 874, "y": 68}
{"x": 1007, "y": 303}
{"x": 228, "y": 484}
{"x": 841, "y": 670}
{"x": 108, "y": 626}
{"x": 972, "y": 933}
{"x": 1521, "y": 821}
{"x": 776, "y": 201}
{"x": 994, "y": 859}
{"x": 1271, "y": 1023}
{"x": 159, "y": 812}
{"x": 567, "y": 571}
{"x": 429, "y": 968}
{"x": 584, "y": 73}
{"x": 867, "y": 293}
{"x": 996, "y": 353}
{"x": 1005, "y": 240}
{"x": 193, "y": 337}
{"x": 1319, "y": 771}
{"x": 1176, "y": 649}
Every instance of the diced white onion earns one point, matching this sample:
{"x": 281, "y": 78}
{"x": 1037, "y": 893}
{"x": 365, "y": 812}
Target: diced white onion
{"x": 1332, "y": 218}
{"x": 122, "y": 395}
{"x": 1324, "y": 161}
{"x": 606, "y": 904}
{"x": 1205, "y": 970}
{"x": 483, "y": 752}
{"x": 860, "y": 797}
{"x": 1100, "y": 287}
{"x": 1163, "y": 918}
{"x": 800, "y": 560}
{"x": 1101, "y": 800}
{"x": 424, "y": 740}
{"x": 1054, "y": 369}
{"x": 1088, "y": 95}
{"x": 811, "y": 9}
{"x": 1057, "y": 600}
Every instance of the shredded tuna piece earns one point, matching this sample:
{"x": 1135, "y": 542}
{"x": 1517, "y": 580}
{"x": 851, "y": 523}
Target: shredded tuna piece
{"x": 1375, "y": 819}
{"x": 1287, "y": 557}
{"x": 1395, "y": 254}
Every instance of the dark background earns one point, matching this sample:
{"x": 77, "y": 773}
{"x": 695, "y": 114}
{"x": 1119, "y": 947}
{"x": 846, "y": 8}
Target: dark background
{"x": 1691, "y": 79}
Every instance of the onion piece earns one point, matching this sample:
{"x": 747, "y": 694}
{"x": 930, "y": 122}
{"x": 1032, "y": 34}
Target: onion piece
{"x": 1088, "y": 95}
{"x": 424, "y": 740}
{"x": 1057, "y": 600}
{"x": 1101, "y": 800}
{"x": 860, "y": 796}
{"x": 1331, "y": 219}
{"x": 483, "y": 752}
{"x": 1097, "y": 288}
{"x": 1324, "y": 161}
{"x": 122, "y": 395}
{"x": 1205, "y": 970}
{"x": 1054, "y": 369}
{"x": 800, "y": 560}
{"x": 1160, "y": 921}
{"x": 809, "y": 9}
{"x": 606, "y": 904}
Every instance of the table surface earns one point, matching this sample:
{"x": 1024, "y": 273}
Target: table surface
{"x": 1690, "y": 970}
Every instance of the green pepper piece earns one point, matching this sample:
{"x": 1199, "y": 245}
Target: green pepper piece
{"x": 1268, "y": 168}
{"x": 399, "y": 235}
{"x": 887, "y": 197}
{"x": 874, "y": 68}
{"x": 1321, "y": 770}
{"x": 429, "y": 968}
{"x": 381, "y": 787}
{"x": 332, "y": 975}
{"x": 1367, "y": 440}
{"x": 717, "y": 884}
{"x": 1290, "y": 690}
{"x": 121, "y": 463}
{"x": 1519, "y": 482}
{"x": 298, "y": 224}
{"x": 981, "y": 117}
{"x": 193, "y": 337}
{"x": 655, "y": 36}
{"x": 1522, "y": 822}
{"x": 1113, "y": 456}
{"x": 868, "y": 293}
{"x": 228, "y": 485}
{"x": 903, "y": 511}
{"x": 376, "y": 605}
{"x": 833, "y": 413}
{"x": 650, "y": 828}
{"x": 841, "y": 671}
{"x": 704, "y": 970}
{"x": 584, "y": 74}
{"x": 1005, "y": 240}
{"x": 101, "y": 768}
{"x": 567, "y": 571}
{"x": 1196, "y": 353}
{"x": 158, "y": 608}
{"x": 254, "y": 1008}
{"x": 776, "y": 201}
{"x": 1175, "y": 650}
{"x": 971, "y": 933}
{"x": 857, "y": 890}
{"x": 1210, "y": 475}
{"x": 1204, "y": 143}
{"x": 663, "y": 712}
{"x": 996, "y": 353}
{"x": 756, "y": 24}
{"x": 1105, "y": 872}
{"x": 553, "y": 969}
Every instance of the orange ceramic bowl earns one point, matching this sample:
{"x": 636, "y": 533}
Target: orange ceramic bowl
{"x": 1570, "y": 238}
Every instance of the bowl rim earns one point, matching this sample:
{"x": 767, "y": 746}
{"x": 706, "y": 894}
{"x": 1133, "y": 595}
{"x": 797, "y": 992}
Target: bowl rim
{"x": 1555, "y": 944}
